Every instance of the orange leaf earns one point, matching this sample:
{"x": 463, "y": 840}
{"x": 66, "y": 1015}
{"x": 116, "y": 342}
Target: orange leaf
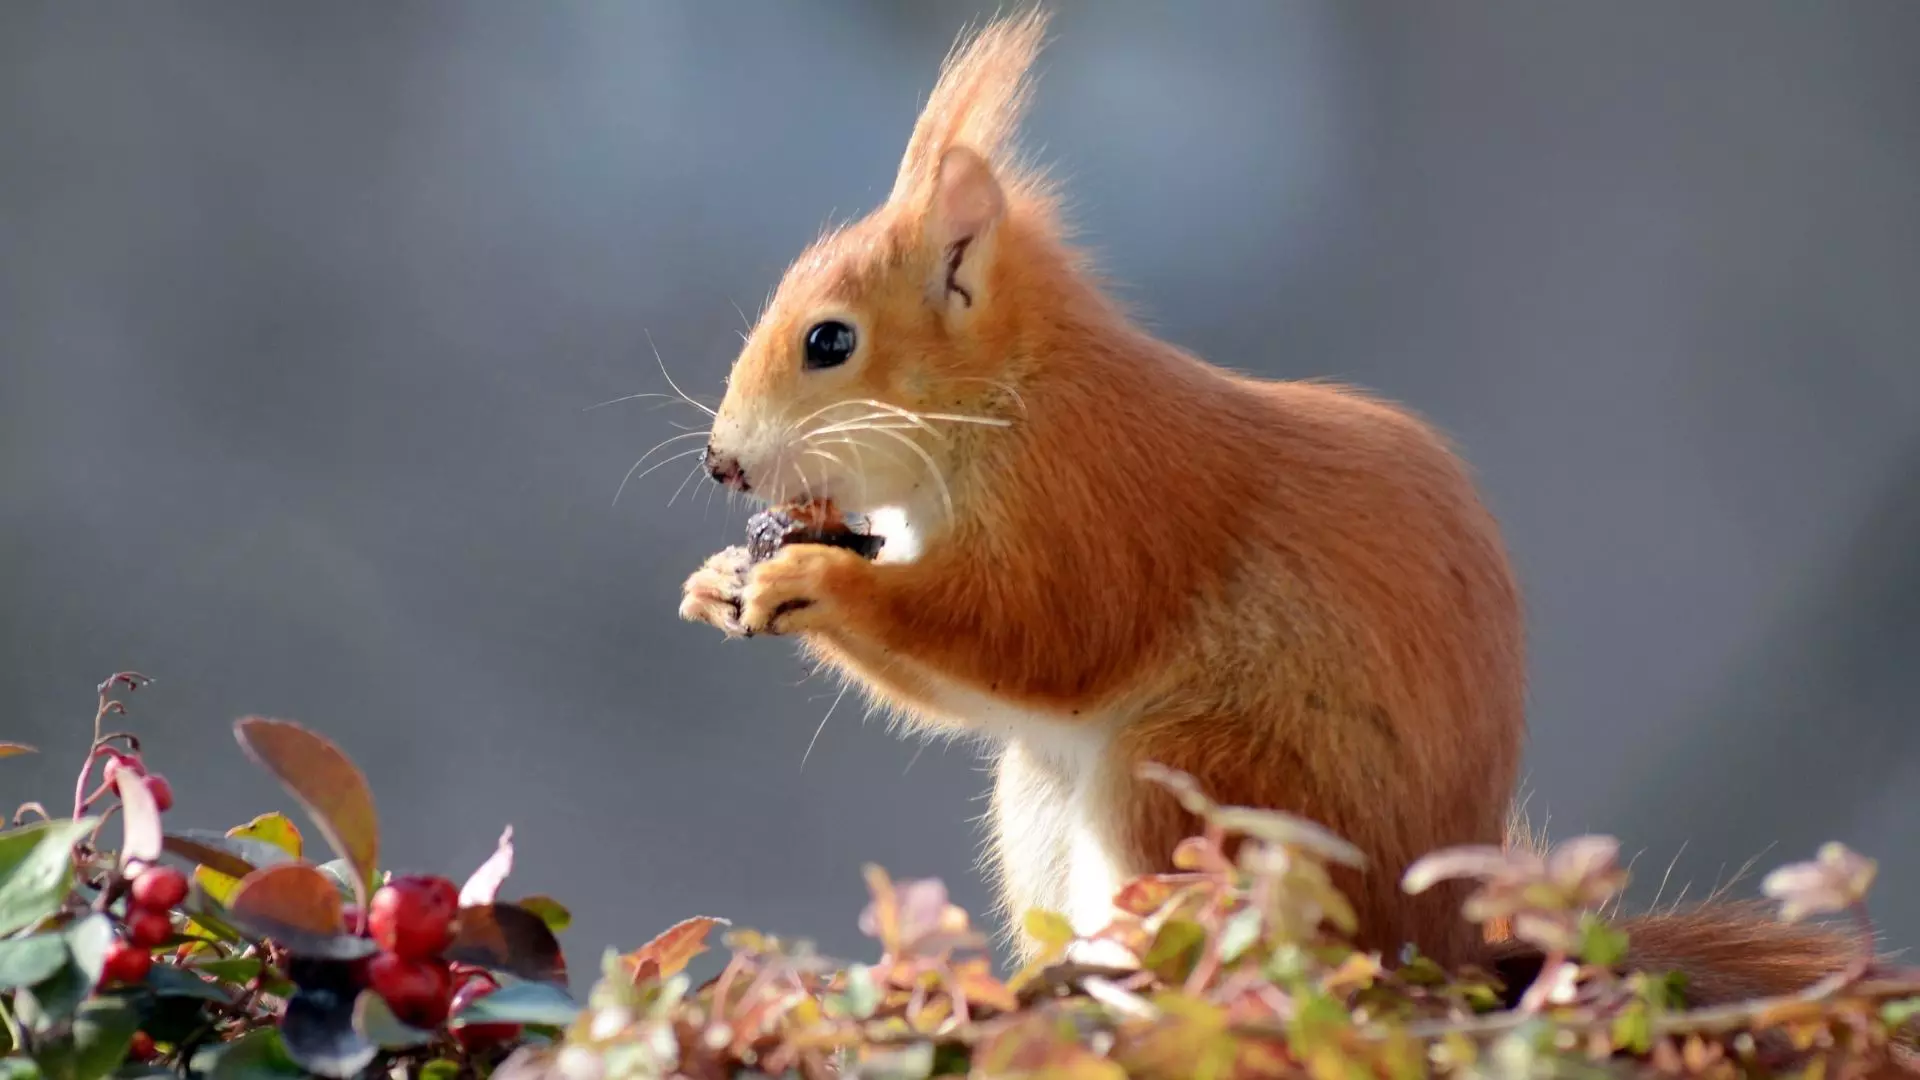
{"x": 291, "y": 895}
{"x": 14, "y": 749}
{"x": 977, "y": 984}
{"x": 666, "y": 955}
{"x": 326, "y": 783}
{"x": 1145, "y": 895}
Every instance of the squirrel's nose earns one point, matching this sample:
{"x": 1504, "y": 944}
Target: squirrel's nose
{"x": 725, "y": 470}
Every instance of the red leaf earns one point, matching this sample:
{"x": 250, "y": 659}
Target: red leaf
{"x": 666, "y": 955}
{"x": 326, "y": 783}
{"x": 507, "y": 938}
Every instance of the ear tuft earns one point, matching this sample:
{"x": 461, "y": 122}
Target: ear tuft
{"x": 967, "y": 203}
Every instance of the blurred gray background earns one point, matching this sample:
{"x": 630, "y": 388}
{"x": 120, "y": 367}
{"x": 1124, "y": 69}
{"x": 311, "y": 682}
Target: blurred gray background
{"x": 302, "y": 305}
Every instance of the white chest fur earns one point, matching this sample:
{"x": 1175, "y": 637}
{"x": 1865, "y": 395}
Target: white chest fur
{"x": 1054, "y": 813}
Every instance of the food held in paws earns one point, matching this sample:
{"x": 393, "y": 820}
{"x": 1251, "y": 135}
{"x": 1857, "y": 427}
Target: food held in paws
{"x": 811, "y": 523}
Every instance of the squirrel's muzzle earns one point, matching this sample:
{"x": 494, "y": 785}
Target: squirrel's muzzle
{"x": 725, "y": 470}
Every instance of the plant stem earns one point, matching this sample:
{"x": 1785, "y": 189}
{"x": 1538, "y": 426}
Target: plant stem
{"x": 14, "y": 1034}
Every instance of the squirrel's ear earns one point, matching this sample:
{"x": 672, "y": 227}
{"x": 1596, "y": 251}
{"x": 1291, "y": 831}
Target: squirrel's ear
{"x": 967, "y": 203}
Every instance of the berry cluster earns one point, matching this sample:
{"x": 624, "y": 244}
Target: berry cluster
{"x": 147, "y": 926}
{"x": 412, "y": 920}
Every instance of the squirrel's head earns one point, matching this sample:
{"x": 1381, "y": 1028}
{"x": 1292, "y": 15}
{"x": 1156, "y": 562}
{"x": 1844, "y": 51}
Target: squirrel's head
{"x": 887, "y": 344}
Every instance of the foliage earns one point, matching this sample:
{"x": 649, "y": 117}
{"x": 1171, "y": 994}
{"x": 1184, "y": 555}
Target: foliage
{"x": 1235, "y": 965}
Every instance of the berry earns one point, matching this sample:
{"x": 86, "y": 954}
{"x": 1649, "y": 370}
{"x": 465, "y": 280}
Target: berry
{"x": 161, "y": 791}
{"x": 473, "y": 1037}
{"x": 413, "y": 916}
{"x": 141, "y": 1048}
{"x": 351, "y": 921}
{"x": 147, "y": 928}
{"x": 159, "y": 888}
{"x": 118, "y": 762}
{"x": 126, "y": 963}
{"x": 420, "y": 992}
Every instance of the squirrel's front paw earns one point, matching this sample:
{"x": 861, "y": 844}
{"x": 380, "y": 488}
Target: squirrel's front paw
{"x": 797, "y": 589}
{"x": 712, "y": 594}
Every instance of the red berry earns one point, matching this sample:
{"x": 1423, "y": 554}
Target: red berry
{"x": 413, "y": 916}
{"x": 478, "y": 1036}
{"x": 147, "y": 928}
{"x": 418, "y": 991}
{"x": 159, "y": 888}
{"x": 126, "y": 963}
{"x": 141, "y": 1048}
{"x": 161, "y": 791}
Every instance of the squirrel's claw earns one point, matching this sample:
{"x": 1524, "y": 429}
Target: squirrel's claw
{"x": 791, "y": 593}
{"x": 712, "y": 594}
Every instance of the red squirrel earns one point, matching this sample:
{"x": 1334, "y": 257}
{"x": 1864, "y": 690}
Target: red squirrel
{"x": 1101, "y": 550}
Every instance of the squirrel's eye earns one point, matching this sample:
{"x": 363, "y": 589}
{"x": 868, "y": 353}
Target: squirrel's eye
{"x": 829, "y": 344}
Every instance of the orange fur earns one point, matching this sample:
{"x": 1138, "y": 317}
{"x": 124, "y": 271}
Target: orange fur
{"x": 1122, "y": 553}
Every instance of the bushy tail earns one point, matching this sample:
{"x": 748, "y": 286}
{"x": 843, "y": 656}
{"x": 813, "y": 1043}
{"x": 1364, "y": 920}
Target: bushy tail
{"x": 1728, "y": 951}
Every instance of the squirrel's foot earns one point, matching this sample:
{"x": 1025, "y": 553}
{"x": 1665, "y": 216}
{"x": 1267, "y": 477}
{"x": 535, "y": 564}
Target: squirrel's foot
{"x": 794, "y": 591}
{"x": 712, "y": 594}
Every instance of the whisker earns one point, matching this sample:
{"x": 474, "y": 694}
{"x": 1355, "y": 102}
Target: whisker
{"x": 663, "y": 461}
{"x": 676, "y": 386}
{"x": 631, "y": 397}
{"x": 691, "y": 473}
{"x": 823, "y": 725}
{"x": 869, "y": 402}
{"x": 953, "y": 418}
{"x": 806, "y": 489}
{"x": 933, "y": 469}
{"x": 859, "y": 471}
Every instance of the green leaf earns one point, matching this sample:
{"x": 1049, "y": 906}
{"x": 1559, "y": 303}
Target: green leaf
{"x": 88, "y": 942}
{"x": 1896, "y": 1013}
{"x": 522, "y": 1003}
{"x": 1601, "y": 945}
{"x": 340, "y": 871}
{"x": 1175, "y": 949}
{"x": 36, "y": 869}
{"x": 1050, "y": 928}
{"x": 19, "y": 1068}
{"x": 53, "y": 999}
{"x": 1633, "y": 1028}
{"x": 233, "y": 969}
{"x": 437, "y": 1069}
{"x": 98, "y": 1043}
{"x": 165, "y": 980}
{"x": 863, "y": 994}
{"x": 1239, "y": 934}
{"x": 375, "y": 1022}
{"x": 257, "y": 1055}
{"x": 26, "y": 961}
{"x": 327, "y": 784}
